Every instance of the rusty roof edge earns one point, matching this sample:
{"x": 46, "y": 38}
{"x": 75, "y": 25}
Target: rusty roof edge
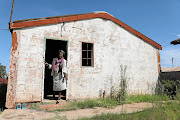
{"x": 131, "y": 28}
{"x": 96, "y": 12}
{"x": 44, "y": 18}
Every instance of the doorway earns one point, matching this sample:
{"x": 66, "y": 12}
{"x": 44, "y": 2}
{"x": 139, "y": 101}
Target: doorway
{"x": 52, "y": 48}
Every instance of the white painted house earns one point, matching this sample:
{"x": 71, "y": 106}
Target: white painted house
{"x": 96, "y": 44}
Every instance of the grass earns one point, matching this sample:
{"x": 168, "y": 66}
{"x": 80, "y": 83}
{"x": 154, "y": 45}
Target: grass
{"x": 161, "y": 110}
{"x": 0, "y": 112}
{"x": 169, "y": 111}
{"x": 110, "y": 103}
{"x": 34, "y": 106}
{"x": 47, "y": 103}
{"x": 57, "y": 117}
{"x": 145, "y": 98}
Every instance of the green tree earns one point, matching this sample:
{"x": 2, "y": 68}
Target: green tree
{"x": 3, "y": 71}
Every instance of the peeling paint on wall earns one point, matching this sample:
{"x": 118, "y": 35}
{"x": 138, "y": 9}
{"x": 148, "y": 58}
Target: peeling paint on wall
{"x": 11, "y": 89}
{"x": 113, "y": 46}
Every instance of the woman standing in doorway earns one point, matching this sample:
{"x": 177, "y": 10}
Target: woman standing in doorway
{"x": 59, "y": 72}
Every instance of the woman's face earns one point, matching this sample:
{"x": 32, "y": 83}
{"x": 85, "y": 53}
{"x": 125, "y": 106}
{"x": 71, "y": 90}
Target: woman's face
{"x": 60, "y": 55}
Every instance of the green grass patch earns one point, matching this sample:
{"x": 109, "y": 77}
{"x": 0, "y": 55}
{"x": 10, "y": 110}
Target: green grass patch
{"x": 89, "y": 103}
{"x": 47, "y": 103}
{"x": 57, "y": 117}
{"x": 146, "y": 98}
{"x": 169, "y": 111}
{"x": 110, "y": 103}
{"x": 34, "y": 106}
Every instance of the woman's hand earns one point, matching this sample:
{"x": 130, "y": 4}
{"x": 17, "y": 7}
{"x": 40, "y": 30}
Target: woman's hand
{"x": 66, "y": 76}
{"x": 47, "y": 64}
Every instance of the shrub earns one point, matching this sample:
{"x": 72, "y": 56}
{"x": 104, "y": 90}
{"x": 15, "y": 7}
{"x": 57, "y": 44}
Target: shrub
{"x": 34, "y": 106}
{"x": 170, "y": 87}
{"x": 3, "y": 90}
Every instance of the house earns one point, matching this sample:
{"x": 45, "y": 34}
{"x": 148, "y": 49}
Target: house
{"x": 175, "y": 42}
{"x": 170, "y": 73}
{"x": 96, "y": 45}
{"x": 3, "y": 80}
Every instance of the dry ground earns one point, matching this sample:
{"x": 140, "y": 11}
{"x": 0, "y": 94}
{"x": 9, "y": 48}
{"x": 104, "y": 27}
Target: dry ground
{"x": 13, "y": 114}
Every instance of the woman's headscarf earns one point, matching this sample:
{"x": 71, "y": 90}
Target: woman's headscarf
{"x": 61, "y": 51}
{"x": 61, "y": 61}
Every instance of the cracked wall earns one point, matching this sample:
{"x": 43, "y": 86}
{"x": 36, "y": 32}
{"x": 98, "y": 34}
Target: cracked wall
{"x": 113, "y": 46}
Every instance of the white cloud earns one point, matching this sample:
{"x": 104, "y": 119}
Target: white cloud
{"x": 168, "y": 53}
{"x": 178, "y": 35}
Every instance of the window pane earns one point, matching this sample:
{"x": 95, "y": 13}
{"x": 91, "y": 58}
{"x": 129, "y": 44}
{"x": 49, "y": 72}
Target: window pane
{"x": 84, "y": 46}
{"x": 84, "y": 54}
{"x": 89, "y": 62}
{"x": 84, "y": 62}
{"x": 89, "y": 54}
{"x": 90, "y": 46}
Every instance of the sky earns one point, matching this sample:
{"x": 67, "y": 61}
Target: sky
{"x": 156, "y": 19}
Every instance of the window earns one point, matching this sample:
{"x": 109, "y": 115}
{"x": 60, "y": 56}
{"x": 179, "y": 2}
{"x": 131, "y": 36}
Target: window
{"x": 87, "y": 54}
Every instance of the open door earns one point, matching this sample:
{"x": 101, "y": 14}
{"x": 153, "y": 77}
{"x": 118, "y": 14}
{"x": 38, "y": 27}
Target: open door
{"x": 52, "y": 48}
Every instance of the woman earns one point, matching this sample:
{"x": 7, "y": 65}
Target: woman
{"x": 59, "y": 72}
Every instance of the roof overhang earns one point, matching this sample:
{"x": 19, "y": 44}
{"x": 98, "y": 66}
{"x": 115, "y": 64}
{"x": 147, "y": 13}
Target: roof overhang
{"x": 59, "y": 19}
{"x": 175, "y": 42}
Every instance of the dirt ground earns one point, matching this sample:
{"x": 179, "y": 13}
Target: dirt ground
{"x": 127, "y": 108}
{"x": 13, "y": 114}
{"x": 27, "y": 114}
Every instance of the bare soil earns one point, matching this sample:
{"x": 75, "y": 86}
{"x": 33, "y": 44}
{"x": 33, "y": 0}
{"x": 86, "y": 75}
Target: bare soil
{"x": 13, "y": 114}
{"x": 25, "y": 114}
{"x": 126, "y": 108}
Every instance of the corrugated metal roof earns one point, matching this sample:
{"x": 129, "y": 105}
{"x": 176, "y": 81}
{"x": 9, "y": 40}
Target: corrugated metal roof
{"x": 175, "y": 42}
{"x": 170, "y": 69}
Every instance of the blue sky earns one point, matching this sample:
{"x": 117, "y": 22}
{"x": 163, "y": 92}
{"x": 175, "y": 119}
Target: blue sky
{"x": 157, "y": 19}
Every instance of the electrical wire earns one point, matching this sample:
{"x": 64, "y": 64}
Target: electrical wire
{"x": 166, "y": 45}
{"x": 4, "y": 29}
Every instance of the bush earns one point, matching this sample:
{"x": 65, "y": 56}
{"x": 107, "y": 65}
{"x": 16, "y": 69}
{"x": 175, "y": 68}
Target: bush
{"x": 170, "y": 88}
{"x": 34, "y": 106}
{"x": 3, "y": 90}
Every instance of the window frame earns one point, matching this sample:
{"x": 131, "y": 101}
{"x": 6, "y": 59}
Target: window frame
{"x": 92, "y": 56}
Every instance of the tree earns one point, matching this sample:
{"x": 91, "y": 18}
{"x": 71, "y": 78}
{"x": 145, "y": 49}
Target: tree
{"x": 3, "y": 71}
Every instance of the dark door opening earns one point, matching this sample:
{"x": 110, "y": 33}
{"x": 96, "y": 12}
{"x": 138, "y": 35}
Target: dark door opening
{"x": 52, "y": 48}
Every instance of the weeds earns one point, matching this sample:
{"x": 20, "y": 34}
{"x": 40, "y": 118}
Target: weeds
{"x": 57, "y": 117}
{"x": 169, "y": 87}
{"x": 34, "y": 106}
{"x": 169, "y": 111}
{"x": 122, "y": 93}
{"x": 108, "y": 102}
{"x": 145, "y": 98}
{"x": 91, "y": 103}
{"x": 47, "y": 103}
